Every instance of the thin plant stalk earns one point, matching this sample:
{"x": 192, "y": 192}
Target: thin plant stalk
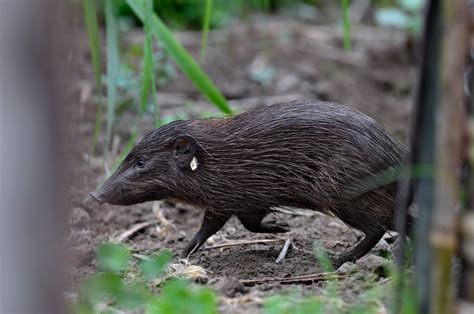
{"x": 182, "y": 57}
{"x": 92, "y": 27}
{"x": 149, "y": 84}
{"x": 112, "y": 67}
{"x": 205, "y": 29}
{"x": 346, "y": 24}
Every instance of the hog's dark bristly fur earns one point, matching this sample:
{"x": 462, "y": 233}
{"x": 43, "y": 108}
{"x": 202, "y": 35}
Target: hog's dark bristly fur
{"x": 304, "y": 154}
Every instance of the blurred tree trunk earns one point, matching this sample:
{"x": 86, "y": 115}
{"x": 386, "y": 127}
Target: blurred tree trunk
{"x": 450, "y": 121}
{"x": 30, "y": 158}
{"x": 422, "y": 151}
{"x": 467, "y": 223}
{"x": 436, "y": 141}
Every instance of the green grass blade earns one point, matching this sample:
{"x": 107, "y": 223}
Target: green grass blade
{"x": 184, "y": 60}
{"x": 147, "y": 74}
{"x": 147, "y": 62}
{"x": 92, "y": 27}
{"x": 93, "y": 36}
{"x": 266, "y": 6}
{"x": 112, "y": 66}
{"x": 128, "y": 147}
{"x": 150, "y": 63}
{"x": 346, "y": 24}
{"x": 205, "y": 29}
{"x": 262, "y": 5}
{"x": 97, "y": 126}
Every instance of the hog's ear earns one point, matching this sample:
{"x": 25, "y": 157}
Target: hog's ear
{"x": 185, "y": 152}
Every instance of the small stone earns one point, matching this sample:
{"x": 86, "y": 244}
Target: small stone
{"x": 374, "y": 264}
{"x": 211, "y": 240}
{"x": 231, "y": 230}
{"x": 322, "y": 89}
{"x": 390, "y": 237}
{"x": 286, "y": 83}
{"x": 79, "y": 218}
{"x": 82, "y": 255}
{"x": 347, "y": 267}
{"x": 200, "y": 280}
{"x": 230, "y": 286}
{"x": 181, "y": 235}
{"x": 70, "y": 296}
{"x": 109, "y": 216}
{"x": 77, "y": 237}
{"x": 382, "y": 248}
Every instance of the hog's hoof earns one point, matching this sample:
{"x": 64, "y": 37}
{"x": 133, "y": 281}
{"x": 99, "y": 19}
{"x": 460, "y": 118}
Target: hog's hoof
{"x": 276, "y": 226}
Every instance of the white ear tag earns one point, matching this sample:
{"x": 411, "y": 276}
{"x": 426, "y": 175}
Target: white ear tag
{"x": 194, "y": 164}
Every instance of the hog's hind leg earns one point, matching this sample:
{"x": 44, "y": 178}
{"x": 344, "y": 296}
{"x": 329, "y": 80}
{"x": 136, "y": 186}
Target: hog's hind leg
{"x": 254, "y": 223}
{"x": 372, "y": 237}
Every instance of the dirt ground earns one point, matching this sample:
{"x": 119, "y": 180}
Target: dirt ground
{"x": 308, "y": 63}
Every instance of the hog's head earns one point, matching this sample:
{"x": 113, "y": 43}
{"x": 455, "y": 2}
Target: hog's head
{"x": 152, "y": 169}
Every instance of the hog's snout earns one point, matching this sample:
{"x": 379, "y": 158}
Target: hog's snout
{"x": 98, "y": 197}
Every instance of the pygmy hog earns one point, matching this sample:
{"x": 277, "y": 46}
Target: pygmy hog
{"x": 303, "y": 154}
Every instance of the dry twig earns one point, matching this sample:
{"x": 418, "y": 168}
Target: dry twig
{"x": 134, "y": 229}
{"x": 242, "y": 300}
{"x": 166, "y": 225}
{"x": 297, "y": 212}
{"x": 283, "y": 251}
{"x": 237, "y": 243}
{"x": 297, "y": 279}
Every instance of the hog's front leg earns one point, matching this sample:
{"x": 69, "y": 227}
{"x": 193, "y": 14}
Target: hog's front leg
{"x": 211, "y": 223}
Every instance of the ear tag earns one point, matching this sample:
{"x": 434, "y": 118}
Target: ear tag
{"x": 194, "y": 164}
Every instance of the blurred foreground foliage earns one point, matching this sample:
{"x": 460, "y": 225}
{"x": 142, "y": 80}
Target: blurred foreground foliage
{"x": 403, "y": 14}
{"x": 189, "y": 14}
{"x": 125, "y": 283}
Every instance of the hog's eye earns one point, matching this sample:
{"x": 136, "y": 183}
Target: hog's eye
{"x": 140, "y": 163}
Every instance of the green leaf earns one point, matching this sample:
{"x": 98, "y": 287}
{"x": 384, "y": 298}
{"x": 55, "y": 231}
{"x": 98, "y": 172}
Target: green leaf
{"x": 416, "y": 24}
{"x": 323, "y": 258}
{"x": 178, "y": 296}
{"x": 134, "y": 296}
{"x": 346, "y": 24}
{"x": 113, "y": 65}
{"x": 266, "y": 5}
{"x": 92, "y": 27}
{"x": 293, "y": 304}
{"x": 205, "y": 301}
{"x": 205, "y": 29}
{"x": 263, "y": 5}
{"x": 411, "y": 5}
{"x": 154, "y": 267}
{"x": 81, "y": 307}
{"x": 101, "y": 286}
{"x": 277, "y": 305}
{"x": 113, "y": 257}
{"x": 392, "y": 17}
{"x": 182, "y": 57}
